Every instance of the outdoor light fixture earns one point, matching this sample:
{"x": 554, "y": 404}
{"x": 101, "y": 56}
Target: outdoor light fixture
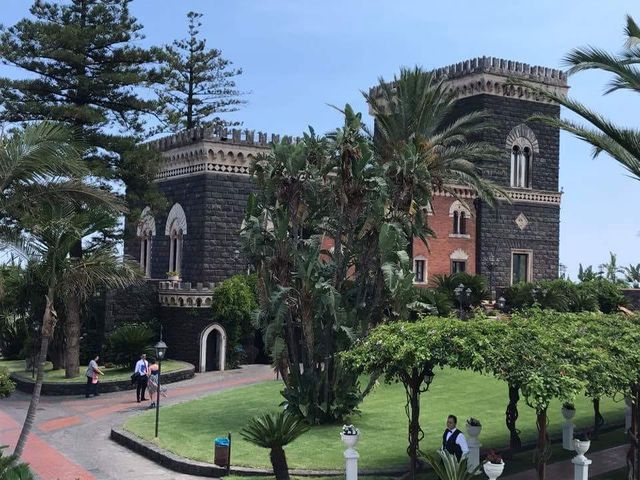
{"x": 463, "y": 295}
{"x": 428, "y": 376}
{"x": 161, "y": 350}
{"x": 501, "y": 303}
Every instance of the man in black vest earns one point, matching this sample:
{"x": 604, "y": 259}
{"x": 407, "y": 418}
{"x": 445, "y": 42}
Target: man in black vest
{"x": 453, "y": 440}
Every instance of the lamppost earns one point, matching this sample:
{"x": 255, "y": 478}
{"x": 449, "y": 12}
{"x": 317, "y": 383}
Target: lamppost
{"x": 462, "y": 295}
{"x": 501, "y": 303}
{"x": 161, "y": 350}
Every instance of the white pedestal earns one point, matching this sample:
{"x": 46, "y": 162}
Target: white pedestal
{"x": 581, "y": 467}
{"x": 351, "y": 458}
{"x": 473, "y": 457}
{"x": 567, "y": 435}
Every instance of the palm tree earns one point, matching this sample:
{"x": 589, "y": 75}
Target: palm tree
{"x": 274, "y": 431}
{"x": 424, "y": 146}
{"x": 610, "y": 269}
{"x": 622, "y": 143}
{"x": 12, "y": 469}
{"x": 632, "y": 275}
{"x": 98, "y": 268}
{"x": 41, "y": 191}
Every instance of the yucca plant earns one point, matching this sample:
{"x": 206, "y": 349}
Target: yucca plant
{"x": 448, "y": 467}
{"x": 12, "y": 469}
{"x": 274, "y": 431}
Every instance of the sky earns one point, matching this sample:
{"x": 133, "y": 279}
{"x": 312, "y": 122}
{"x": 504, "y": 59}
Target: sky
{"x": 299, "y": 57}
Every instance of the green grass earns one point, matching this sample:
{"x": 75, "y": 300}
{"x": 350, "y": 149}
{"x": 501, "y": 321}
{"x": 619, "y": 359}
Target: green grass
{"x": 189, "y": 428}
{"x": 110, "y": 374}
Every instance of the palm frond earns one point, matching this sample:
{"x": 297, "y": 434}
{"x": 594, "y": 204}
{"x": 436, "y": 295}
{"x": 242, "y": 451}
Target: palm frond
{"x": 627, "y": 76}
{"x": 274, "y": 429}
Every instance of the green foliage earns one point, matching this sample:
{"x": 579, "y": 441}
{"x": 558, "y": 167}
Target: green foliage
{"x": 234, "y": 302}
{"x": 448, "y": 467}
{"x": 274, "y": 429}
{"x": 432, "y": 302}
{"x": 632, "y": 275}
{"x": 564, "y": 295}
{"x": 13, "y": 336}
{"x": 448, "y": 283}
{"x": 127, "y": 342}
{"x": 6, "y": 384}
{"x": 586, "y": 274}
{"x": 12, "y": 469}
{"x": 608, "y": 294}
{"x": 197, "y": 83}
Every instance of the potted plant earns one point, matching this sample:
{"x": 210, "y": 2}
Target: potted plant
{"x": 568, "y": 410}
{"x": 493, "y": 465}
{"x": 582, "y": 442}
{"x": 173, "y": 276}
{"x": 349, "y": 435}
{"x": 474, "y": 427}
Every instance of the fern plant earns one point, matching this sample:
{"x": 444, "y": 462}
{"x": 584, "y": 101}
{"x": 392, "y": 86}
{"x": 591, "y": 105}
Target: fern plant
{"x": 274, "y": 431}
{"x": 448, "y": 467}
{"x": 12, "y": 469}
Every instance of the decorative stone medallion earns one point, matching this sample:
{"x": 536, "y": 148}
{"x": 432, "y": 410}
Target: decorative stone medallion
{"x": 521, "y": 221}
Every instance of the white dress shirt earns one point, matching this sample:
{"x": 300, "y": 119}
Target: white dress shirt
{"x": 460, "y": 441}
{"x": 142, "y": 367}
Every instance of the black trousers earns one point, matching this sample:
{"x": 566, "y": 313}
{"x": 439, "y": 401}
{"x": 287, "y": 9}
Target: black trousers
{"x": 142, "y": 387}
{"x": 91, "y": 388}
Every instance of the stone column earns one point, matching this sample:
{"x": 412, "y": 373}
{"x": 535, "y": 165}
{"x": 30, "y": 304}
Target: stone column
{"x": 351, "y": 457}
{"x": 567, "y": 435}
{"x": 473, "y": 458}
{"x": 580, "y": 467}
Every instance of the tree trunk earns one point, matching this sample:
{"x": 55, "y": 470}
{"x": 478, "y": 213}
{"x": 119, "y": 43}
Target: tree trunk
{"x": 279, "y": 463}
{"x": 49, "y": 320}
{"x": 633, "y": 463}
{"x": 598, "y": 419}
{"x": 542, "y": 453}
{"x": 72, "y": 327}
{"x": 412, "y": 389}
{"x": 512, "y": 416}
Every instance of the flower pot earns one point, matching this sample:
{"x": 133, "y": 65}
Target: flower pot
{"x": 493, "y": 470}
{"x": 567, "y": 413}
{"x": 349, "y": 440}
{"x": 474, "y": 430}
{"x": 174, "y": 278}
{"x": 581, "y": 446}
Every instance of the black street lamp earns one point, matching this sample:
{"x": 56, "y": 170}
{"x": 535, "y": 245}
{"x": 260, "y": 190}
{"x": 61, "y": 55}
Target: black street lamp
{"x": 463, "y": 295}
{"x": 501, "y": 303}
{"x": 161, "y": 350}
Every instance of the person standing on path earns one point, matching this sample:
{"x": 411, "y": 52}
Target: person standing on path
{"x": 142, "y": 373}
{"x": 453, "y": 440}
{"x": 92, "y": 377}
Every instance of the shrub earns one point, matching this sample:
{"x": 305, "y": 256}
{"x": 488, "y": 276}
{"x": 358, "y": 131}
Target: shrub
{"x": 448, "y": 283}
{"x": 13, "y": 337}
{"x": 608, "y": 294}
{"x": 127, "y": 342}
{"x": 11, "y": 468}
{"x": 560, "y": 295}
{"x": 433, "y": 302}
{"x": 6, "y": 384}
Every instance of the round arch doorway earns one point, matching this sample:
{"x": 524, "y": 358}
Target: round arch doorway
{"x": 213, "y": 348}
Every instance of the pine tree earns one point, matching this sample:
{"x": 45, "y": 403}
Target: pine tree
{"x": 198, "y": 83}
{"x": 82, "y": 68}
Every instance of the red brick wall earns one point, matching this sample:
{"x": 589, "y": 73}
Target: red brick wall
{"x": 441, "y": 246}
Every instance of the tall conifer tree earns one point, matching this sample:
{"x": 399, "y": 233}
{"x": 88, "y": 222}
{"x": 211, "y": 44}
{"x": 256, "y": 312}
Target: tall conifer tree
{"x": 198, "y": 83}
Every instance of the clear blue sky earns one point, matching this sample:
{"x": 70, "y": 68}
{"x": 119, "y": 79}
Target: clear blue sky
{"x": 298, "y": 56}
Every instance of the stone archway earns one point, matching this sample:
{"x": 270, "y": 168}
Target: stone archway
{"x": 220, "y": 345}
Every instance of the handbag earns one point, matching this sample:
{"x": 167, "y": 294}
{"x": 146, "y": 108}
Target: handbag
{"x": 94, "y": 379}
{"x": 134, "y": 377}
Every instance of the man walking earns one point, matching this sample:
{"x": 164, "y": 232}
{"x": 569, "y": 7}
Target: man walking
{"x": 453, "y": 440}
{"x": 142, "y": 373}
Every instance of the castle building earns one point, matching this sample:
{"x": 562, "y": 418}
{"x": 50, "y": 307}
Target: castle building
{"x": 205, "y": 177}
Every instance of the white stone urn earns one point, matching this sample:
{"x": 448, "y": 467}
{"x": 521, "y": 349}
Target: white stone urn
{"x": 474, "y": 430}
{"x": 493, "y": 470}
{"x": 568, "y": 413}
{"x": 350, "y": 440}
{"x": 581, "y": 447}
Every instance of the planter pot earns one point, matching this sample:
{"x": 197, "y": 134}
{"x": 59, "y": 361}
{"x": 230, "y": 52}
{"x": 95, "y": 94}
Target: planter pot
{"x": 349, "y": 440}
{"x": 568, "y": 414}
{"x": 493, "y": 470}
{"x": 474, "y": 430}
{"x": 174, "y": 278}
{"x": 581, "y": 447}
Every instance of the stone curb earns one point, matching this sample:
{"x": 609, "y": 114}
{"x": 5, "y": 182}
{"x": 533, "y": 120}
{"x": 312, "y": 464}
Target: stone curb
{"x": 203, "y": 469}
{"x": 193, "y": 467}
{"x": 75, "y": 388}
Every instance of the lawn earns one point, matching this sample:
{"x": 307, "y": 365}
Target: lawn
{"x": 189, "y": 428}
{"x": 110, "y": 374}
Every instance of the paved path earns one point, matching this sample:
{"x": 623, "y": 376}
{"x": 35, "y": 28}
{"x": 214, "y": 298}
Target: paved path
{"x": 604, "y": 461}
{"x": 70, "y": 440}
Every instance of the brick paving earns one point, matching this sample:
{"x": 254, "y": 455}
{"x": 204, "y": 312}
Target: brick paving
{"x": 70, "y": 440}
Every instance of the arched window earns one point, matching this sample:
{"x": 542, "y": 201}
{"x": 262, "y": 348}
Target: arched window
{"x": 523, "y": 147}
{"x": 176, "y": 229}
{"x": 146, "y": 230}
{"x": 459, "y": 214}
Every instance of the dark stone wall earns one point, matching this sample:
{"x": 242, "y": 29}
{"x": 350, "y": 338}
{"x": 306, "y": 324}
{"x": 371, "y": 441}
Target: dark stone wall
{"x": 633, "y": 297}
{"x": 135, "y": 304}
{"x": 182, "y": 328}
{"x": 497, "y": 231}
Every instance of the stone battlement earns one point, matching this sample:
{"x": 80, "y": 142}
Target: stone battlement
{"x": 233, "y": 136}
{"x": 504, "y": 68}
